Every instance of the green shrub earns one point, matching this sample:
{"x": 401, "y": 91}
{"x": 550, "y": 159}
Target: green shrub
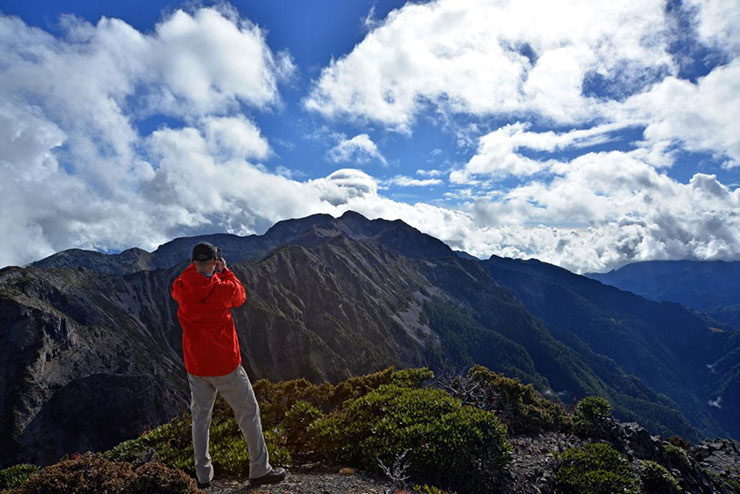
{"x": 16, "y": 475}
{"x": 277, "y": 398}
{"x": 520, "y": 407}
{"x": 92, "y": 473}
{"x": 449, "y": 445}
{"x": 678, "y": 457}
{"x": 429, "y": 489}
{"x": 657, "y": 480}
{"x": 593, "y": 417}
{"x": 294, "y": 427}
{"x": 173, "y": 443}
{"x": 595, "y": 469}
{"x": 411, "y": 378}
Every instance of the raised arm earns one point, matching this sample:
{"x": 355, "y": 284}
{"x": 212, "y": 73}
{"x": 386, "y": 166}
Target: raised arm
{"x": 228, "y": 290}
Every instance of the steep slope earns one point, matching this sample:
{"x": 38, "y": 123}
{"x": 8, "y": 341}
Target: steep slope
{"x": 78, "y": 367}
{"x": 712, "y": 287}
{"x": 677, "y": 352}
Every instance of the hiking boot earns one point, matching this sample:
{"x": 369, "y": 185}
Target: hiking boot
{"x": 205, "y": 485}
{"x": 272, "y": 477}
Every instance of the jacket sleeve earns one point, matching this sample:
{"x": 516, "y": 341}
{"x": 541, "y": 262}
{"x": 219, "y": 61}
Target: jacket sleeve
{"x": 228, "y": 290}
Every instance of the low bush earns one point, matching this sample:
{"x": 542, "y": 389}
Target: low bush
{"x": 277, "y": 398}
{"x": 520, "y": 407}
{"x": 173, "y": 444}
{"x": 429, "y": 489}
{"x": 450, "y": 445}
{"x": 593, "y": 417}
{"x": 15, "y": 476}
{"x": 92, "y": 473}
{"x": 678, "y": 457}
{"x": 286, "y": 410}
{"x": 294, "y": 428}
{"x": 595, "y": 469}
{"x": 657, "y": 480}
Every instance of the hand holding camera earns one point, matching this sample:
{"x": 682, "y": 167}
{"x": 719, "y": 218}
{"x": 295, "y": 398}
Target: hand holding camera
{"x": 220, "y": 261}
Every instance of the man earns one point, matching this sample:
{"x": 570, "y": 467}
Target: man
{"x": 206, "y": 291}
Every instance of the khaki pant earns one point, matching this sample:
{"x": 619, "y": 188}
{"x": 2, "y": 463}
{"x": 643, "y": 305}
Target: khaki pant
{"x": 236, "y": 389}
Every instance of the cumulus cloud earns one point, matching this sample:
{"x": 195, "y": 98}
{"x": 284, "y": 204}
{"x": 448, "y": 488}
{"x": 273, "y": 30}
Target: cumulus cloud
{"x": 719, "y": 23}
{"x": 235, "y": 137}
{"x": 484, "y": 58}
{"x": 77, "y": 171}
{"x": 359, "y": 149}
{"x": 206, "y": 61}
{"x": 499, "y": 151}
{"x": 602, "y": 210}
{"x": 705, "y": 120}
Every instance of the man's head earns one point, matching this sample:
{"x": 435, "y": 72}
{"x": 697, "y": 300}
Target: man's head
{"x": 204, "y": 258}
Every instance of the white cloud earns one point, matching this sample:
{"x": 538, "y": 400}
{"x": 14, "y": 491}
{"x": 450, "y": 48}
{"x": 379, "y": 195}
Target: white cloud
{"x": 404, "y": 181}
{"x": 235, "y": 138}
{"x": 606, "y": 209}
{"x": 208, "y": 61}
{"x": 483, "y": 58}
{"x": 75, "y": 164}
{"x": 719, "y": 23}
{"x": 499, "y": 154}
{"x": 359, "y": 149}
{"x": 429, "y": 173}
{"x": 702, "y": 116}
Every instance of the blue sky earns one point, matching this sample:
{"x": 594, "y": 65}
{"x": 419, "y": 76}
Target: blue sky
{"x": 587, "y": 135}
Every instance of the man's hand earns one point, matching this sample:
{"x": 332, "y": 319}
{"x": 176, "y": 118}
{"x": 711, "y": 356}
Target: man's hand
{"x": 221, "y": 265}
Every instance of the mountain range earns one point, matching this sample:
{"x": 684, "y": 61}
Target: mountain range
{"x": 91, "y": 355}
{"x": 713, "y": 287}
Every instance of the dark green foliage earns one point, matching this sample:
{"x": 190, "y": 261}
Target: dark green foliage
{"x": 173, "y": 444}
{"x": 593, "y": 417}
{"x": 429, "y": 489}
{"x": 284, "y": 424}
{"x": 657, "y": 480}
{"x": 449, "y": 445}
{"x": 294, "y": 427}
{"x": 412, "y": 378}
{"x": 277, "y": 398}
{"x": 16, "y": 475}
{"x": 595, "y": 469}
{"x": 678, "y": 457}
{"x": 92, "y": 473}
{"x": 520, "y": 407}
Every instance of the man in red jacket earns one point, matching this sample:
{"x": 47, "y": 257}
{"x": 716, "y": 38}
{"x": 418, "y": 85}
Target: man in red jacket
{"x": 206, "y": 291}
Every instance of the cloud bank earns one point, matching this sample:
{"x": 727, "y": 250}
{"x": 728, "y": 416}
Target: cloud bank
{"x": 561, "y": 80}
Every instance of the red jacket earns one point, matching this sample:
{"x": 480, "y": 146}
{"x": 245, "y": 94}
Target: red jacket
{"x": 209, "y": 341}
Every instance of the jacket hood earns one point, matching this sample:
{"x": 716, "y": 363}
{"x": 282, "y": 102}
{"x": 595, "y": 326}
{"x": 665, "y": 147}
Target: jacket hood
{"x": 192, "y": 286}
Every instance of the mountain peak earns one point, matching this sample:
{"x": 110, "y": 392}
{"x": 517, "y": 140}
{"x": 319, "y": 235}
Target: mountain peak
{"x": 350, "y": 214}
